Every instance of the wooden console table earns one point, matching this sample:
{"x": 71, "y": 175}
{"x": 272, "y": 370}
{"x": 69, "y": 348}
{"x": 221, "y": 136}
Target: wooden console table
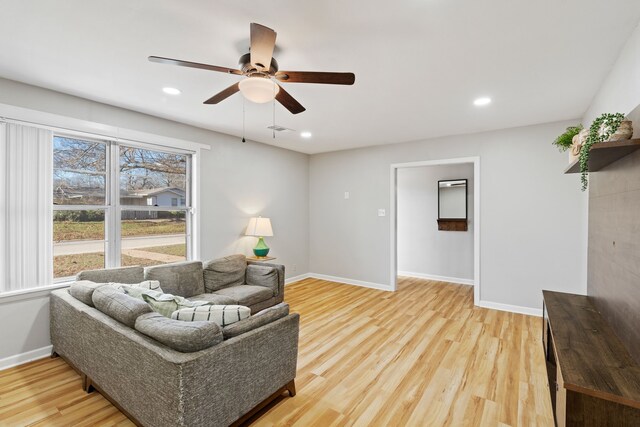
{"x": 593, "y": 381}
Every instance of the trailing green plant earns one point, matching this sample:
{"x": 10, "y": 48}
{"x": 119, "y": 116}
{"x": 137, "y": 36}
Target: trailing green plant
{"x": 600, "y": 131}
{"x": 564, "y": 141}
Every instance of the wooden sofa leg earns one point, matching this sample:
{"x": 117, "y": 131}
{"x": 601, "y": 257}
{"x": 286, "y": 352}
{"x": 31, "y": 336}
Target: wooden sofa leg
{"x": 291, "y": 387}
{"x": 86, "y": 384}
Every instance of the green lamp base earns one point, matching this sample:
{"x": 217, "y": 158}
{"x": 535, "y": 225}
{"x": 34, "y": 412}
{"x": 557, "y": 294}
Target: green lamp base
{"x": 261, "y": 248}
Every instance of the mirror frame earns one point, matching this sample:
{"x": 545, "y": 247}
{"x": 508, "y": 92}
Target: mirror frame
{"x": 454, "y": 224}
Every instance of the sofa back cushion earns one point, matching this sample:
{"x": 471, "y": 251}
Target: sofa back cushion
{"x": 118, "y": 305}
{"x": 118, "y": 275}
{"x": 224, "y": 272}
{"x": 262, "y": 275}
{"x": 82, "y": 290}
{"x": 182, "y": 278}
{"x": 258, "y": 320}
{"x": 181, "y": 336}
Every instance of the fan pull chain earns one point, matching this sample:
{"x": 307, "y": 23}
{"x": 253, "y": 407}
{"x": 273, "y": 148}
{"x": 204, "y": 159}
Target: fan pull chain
{"x": 274, "y": 112}
{"x": 243, "y": 114}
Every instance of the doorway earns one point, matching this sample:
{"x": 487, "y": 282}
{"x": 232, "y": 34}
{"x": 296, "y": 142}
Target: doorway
{"x": 411, "y": 172}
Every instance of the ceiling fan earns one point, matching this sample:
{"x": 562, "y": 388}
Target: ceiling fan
{"x": 260, "y": 69}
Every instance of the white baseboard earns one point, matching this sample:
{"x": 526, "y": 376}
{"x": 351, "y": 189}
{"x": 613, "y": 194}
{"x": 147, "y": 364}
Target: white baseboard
{"x": 456, "y": 280}
{"x": 296, "y": 278}
{"x": 347, "y": 281}
{"x": 22, "y": 358}
{"x": 512, "y": 308}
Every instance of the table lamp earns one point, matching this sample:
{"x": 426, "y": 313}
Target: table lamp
{"x": 260, "y": 227}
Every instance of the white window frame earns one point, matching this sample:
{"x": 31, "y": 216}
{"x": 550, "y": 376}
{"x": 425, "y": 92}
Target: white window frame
{"x": 81, "y": 128}
{"x": 106, "y": 207}
{"x": 113, "y": 208}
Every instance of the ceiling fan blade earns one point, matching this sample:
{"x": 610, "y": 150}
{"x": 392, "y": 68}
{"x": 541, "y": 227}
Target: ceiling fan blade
{"x": 224, "y": 94}
{"x": 289, "y": 102}
{"x": 316, "y": 77}
{"x": 263, "y": 41}
{"x": 170, "y": 61}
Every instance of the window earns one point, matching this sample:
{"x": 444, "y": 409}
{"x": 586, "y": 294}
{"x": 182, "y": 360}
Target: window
{"x": 117, "y": 205}
{"x": 80, "y": 204}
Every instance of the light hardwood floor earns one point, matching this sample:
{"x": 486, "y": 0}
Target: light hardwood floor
{"x": 422, "y": 356}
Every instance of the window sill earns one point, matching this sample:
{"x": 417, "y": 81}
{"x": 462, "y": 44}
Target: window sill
{"x": 27, "y": 294}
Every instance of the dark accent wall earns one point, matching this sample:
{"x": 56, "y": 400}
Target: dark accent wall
{"x": 614, "y": 247}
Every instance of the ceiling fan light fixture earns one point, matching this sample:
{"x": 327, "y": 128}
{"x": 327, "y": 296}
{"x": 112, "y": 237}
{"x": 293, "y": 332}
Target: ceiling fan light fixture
{"x": 259, "y": 89}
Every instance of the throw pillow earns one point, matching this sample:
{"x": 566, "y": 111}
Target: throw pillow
{"x": 261, "y": 318}
{"x": 166, "y": 304}
{"x": 83, "y": 290}
{"x": 223, "y": 315}
{"x": 119, "y": 306}
{"x": 181, "y": 336}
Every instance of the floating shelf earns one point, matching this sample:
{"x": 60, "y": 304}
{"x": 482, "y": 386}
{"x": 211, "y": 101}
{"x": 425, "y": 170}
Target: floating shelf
{"x": 452, "y": 224}
{"x": 605, "y": 153}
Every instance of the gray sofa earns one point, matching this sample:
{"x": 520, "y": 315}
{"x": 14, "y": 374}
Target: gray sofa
{"x": 229, "y": 280}
{"x": 246, "y": 364}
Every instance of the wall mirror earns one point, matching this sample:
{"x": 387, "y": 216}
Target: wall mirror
{"x": 452, "y": 205}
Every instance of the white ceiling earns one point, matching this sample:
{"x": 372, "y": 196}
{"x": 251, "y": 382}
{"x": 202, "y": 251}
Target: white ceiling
{"x": 418, "y": 63}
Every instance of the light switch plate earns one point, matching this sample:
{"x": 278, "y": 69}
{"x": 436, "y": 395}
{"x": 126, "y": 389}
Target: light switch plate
{"x": 382, "y": 212}
{"x": 346, "y": 195}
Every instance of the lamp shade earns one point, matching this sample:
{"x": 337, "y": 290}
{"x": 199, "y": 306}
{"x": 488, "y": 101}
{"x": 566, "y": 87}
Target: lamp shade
{"x": 260, "y": 227}
{"x": 259, "y": 89}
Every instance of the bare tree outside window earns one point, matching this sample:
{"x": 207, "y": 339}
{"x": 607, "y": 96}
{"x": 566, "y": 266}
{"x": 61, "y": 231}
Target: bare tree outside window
{"x": 146, "y": 169}
{"x": 79, "y": 176}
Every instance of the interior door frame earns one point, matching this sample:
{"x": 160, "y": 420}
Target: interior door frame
{"x": 476, "y": 215}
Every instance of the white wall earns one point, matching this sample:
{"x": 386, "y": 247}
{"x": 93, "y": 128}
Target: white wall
{"x": 423, "y": 250}
{"x": 533, "y": 217}
{"x": 238, "y": 181}
{"x": 620, "y": 91}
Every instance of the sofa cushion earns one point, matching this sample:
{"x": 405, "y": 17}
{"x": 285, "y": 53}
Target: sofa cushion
{"x": 166, "y": 304}
{"x": 183, "y": 278}
{"x": 118, "y": 305}
{"x": 224, "y": 272}
{"x": 261, "y": 275}
{"x": 181, "y": 336}
{"x": 258, "y": 320}
{"x": 214, "y": 299}
{"x": 223, "y": 315}
{"x": 82, "y": 290}
{"x": 246, "y": 294}
{"x": 119, "y": 275}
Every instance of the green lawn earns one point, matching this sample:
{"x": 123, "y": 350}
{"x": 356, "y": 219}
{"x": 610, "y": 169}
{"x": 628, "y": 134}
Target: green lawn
{"x": 176, "y": 250}
{"x": 69, "y": 265}
{"x": 68, "y": 230}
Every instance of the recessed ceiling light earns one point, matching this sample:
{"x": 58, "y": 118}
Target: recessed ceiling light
{"x": 171, "y": 91}
{"x": 481, "y": 102}
{"x": 305, "y": 134}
